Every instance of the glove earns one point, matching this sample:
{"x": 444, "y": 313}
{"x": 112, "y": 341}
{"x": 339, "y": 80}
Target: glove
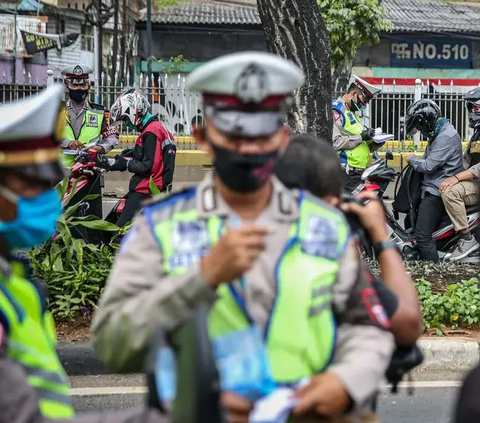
{"x": 368, "y": 134}
{"x": 128, "y": 152}
{"x": 120, "y": 164}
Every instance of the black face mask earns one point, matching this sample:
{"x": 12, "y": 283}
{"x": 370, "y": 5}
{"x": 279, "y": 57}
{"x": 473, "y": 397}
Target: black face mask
{"x": 243, "y": 172}
{"x": 356, "y": 105}
{"x": 78, "y": 95}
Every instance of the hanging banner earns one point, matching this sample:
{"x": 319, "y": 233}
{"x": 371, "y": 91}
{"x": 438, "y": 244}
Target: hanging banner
{"x": 36, "y": 42}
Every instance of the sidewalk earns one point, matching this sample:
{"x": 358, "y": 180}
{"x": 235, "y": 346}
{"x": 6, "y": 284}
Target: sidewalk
{"x": 444, "y": 358}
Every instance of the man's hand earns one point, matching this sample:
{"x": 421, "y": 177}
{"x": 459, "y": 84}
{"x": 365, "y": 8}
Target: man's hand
{"x": 368, "y": 134}
{"x": 97, "y": 148}
{"x": 234, "y": 254}
{"x": 325, "y": 395}
{"x": 409, "y": 157}
{"x": 76, "y": 145}
{"x": 371, "y": 215}
{"x": 448, "y": 183}
{"x": 237, "y": 409}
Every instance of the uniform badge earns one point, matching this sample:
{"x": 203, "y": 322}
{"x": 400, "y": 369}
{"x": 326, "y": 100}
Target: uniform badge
{"x": 190, "y": 243}
{"x": 336, "y": 116}
{"x": 92, "y": 120}
{"x": 321, "y": 238}
{"x": 77, "y": 70}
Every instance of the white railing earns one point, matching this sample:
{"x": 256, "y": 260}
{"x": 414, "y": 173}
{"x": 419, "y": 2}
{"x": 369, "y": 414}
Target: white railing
{"x": 180, "y": 109}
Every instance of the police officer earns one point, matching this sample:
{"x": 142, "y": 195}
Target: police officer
{"x": 256, "y": 251}
{"x": 33, "y": 384}
{"x": 350, "y": 137}
{"x": 87, "y": 125}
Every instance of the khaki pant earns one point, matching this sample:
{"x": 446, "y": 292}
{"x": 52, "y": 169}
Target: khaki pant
{"x": 456, "y": 198}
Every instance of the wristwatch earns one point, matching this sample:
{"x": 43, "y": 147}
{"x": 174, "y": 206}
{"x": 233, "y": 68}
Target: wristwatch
{"x": 378, "y": 247}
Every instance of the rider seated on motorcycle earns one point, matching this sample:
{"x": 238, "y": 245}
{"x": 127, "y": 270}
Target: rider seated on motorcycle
{"x": 152, "y": 159}
{"x": 461, "y": 189}
{"x": 310, "y": 163}
{"x": 442, "y": 159}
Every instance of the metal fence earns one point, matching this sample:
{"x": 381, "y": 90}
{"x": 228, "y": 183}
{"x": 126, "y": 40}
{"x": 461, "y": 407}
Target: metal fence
{"x": 180, "y": 109}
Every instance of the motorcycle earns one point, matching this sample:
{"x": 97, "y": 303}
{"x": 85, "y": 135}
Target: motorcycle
{"x": 377, "y": 178}
{"x": 87, "y": 167}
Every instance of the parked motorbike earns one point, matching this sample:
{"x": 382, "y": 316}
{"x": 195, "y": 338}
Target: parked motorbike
{"x": 87, "y": 167}
{"x": 377, "y": 178}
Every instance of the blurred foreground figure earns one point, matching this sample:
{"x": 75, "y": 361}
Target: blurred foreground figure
{"x": 266, "y": 259}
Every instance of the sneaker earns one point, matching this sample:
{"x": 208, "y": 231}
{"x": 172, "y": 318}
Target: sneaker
{"x": 463, "y": 248}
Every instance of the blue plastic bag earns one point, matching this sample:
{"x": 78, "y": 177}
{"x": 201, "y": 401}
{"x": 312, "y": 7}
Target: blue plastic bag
{"x": 242, "y": 362}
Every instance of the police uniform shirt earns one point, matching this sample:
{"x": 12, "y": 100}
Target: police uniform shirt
{"x": 140, "y": 297}
{"x": 341, "y": 140}
{"x": 75, "y": 117}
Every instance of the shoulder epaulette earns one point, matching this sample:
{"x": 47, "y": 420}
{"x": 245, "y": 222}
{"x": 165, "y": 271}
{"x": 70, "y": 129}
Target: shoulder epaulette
{"x": 158, "y": 199}
{"x": 96, "y": 106}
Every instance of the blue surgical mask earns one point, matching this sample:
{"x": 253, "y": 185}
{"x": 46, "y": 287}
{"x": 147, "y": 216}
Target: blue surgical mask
{"x": 36, "y": 219}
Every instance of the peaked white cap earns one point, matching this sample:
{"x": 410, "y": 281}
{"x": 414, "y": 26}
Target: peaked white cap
{"x": 367, "y": 89}
{"x": 32, "y": 118}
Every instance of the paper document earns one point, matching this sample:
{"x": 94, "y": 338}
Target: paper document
{"x": 275, "y": 408}
{"x": 383, "y": 138}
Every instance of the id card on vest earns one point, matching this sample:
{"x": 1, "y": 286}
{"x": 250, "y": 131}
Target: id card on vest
{"x": 242, "y": 363}
{"x": 321, "y": 237}
{"x": 190, "y": 242}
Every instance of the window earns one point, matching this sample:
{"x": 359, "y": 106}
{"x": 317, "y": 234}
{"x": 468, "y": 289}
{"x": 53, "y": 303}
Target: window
{"x": 68, "y": 5}
{"x": 76, "y": 5}
{"x": 83, "y": 6}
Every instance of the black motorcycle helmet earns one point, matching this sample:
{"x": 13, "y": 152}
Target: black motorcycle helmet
{"x": 422, "y": 116}
{"x": 472, "y": 102}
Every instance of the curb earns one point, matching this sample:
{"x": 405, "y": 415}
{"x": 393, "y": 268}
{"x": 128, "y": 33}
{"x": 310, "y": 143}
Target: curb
{"x": 440, "y": 355}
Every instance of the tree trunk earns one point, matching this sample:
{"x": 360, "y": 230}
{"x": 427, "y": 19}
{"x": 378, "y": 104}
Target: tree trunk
{"x": 341, "y": 75}
{"x": 294, "y": 29}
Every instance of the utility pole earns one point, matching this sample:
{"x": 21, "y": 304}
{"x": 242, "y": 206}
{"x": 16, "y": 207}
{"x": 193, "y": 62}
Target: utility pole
{"x": 115, "y": 42}
{"x": 123, "y": 45}
{"x": 149, "y": 44}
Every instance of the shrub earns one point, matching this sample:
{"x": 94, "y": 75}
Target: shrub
{"x": 458, "y": 305}
{"x": 74, "y": 271}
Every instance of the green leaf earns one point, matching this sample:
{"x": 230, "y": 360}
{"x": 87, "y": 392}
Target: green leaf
{"x": 98, "y": 224}
{"x": 153, "y": 188}
{"x": 72, "y": 209}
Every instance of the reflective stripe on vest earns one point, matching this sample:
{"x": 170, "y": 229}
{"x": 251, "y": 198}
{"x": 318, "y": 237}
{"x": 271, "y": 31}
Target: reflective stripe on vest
{"x": 356, "y": 157}
{"x": 304, "y": 277}
{"x": 31, "y": 344}
{"x": 89, "y": 133}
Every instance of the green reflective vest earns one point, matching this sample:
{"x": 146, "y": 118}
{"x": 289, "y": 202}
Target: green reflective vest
{"x": 300, "y": 334}
{"x": 31, "y": 341}
{"x": 360, "y": 155}
{"x": 89, "y": 133}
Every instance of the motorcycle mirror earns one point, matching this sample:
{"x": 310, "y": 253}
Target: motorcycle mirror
{"x": 389, "y": 155}
{"x": 197, "y": 398}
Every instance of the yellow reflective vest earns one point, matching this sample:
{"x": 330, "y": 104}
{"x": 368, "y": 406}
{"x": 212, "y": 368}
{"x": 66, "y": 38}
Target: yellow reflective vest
{"x": 360, "y": 155}
{"x": 31, "y": 341}
{"x": 300, "y": 334}
{"x": 89, "y": 133}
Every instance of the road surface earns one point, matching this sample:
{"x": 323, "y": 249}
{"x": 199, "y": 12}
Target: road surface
{"x": 432, "y": 401}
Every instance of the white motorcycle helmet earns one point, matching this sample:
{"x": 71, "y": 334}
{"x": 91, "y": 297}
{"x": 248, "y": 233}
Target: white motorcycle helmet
{"x": 130, "y": 107}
